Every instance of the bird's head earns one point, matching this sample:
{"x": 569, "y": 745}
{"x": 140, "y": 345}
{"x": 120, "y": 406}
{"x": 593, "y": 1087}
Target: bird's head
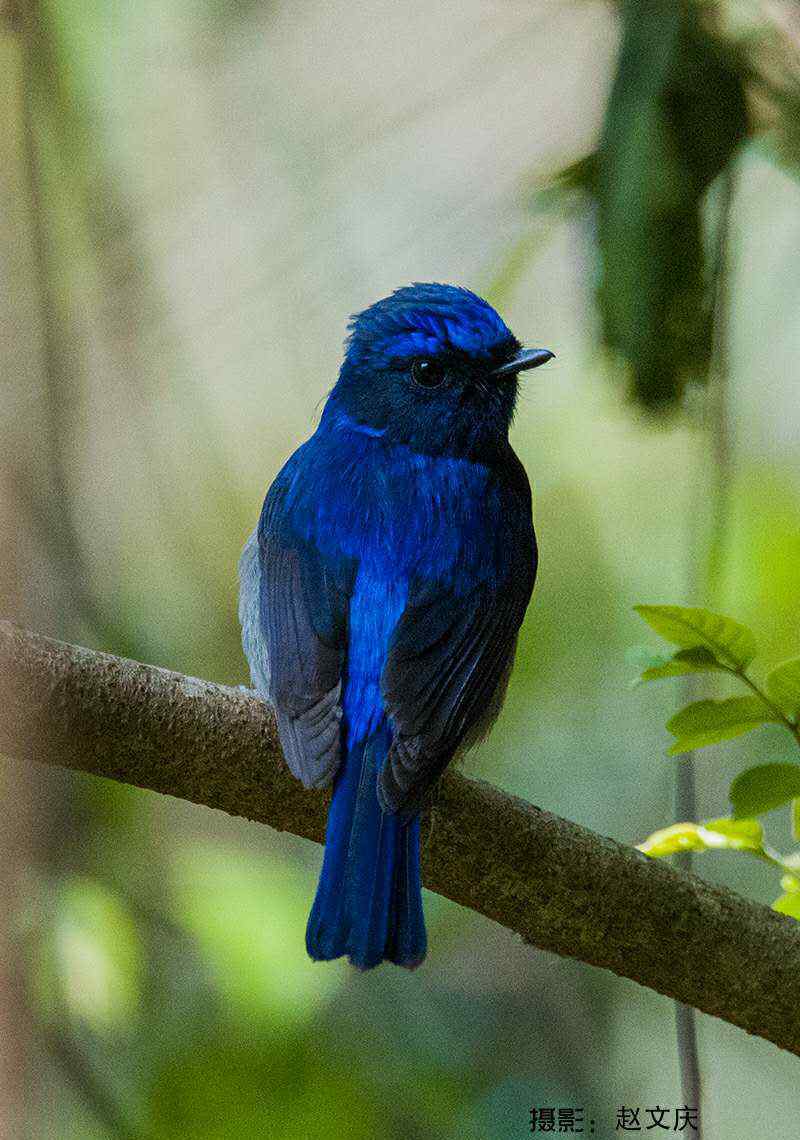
{"x": 434, "y": 367}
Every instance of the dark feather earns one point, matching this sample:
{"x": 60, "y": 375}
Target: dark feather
{"x": 447, "y": 671}
{"x": 303, "y": 618}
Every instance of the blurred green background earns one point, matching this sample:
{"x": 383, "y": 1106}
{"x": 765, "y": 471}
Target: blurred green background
{"x": 194, "y": 198}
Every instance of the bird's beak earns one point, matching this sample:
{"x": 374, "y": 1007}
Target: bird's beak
{"x": 526, "y": 358}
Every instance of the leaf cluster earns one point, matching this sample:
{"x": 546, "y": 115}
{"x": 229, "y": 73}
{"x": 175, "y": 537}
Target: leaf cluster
{"x": 710, "y": 643}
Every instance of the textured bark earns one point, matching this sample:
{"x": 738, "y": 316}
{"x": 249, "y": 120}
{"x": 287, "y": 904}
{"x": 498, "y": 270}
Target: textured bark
{"x": 558, "y": 885}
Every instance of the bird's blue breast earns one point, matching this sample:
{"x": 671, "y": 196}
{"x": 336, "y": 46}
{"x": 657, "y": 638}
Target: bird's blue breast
{"x": 356, "y": 497}
{"x": 375, "y": 609}
{"x": 401, "y": 520}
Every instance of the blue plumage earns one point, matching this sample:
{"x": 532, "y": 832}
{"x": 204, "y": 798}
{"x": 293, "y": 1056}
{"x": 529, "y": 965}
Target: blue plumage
{"x": 425, "y": 320}
{"x": 382, "y": 593}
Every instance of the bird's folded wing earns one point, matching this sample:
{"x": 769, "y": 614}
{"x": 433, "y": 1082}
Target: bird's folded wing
{"x": 446, "y": 673}
{"x": 303, "y": 619}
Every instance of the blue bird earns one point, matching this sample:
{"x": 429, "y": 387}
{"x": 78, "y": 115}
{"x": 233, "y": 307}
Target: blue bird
{"x": 382, "y": 592}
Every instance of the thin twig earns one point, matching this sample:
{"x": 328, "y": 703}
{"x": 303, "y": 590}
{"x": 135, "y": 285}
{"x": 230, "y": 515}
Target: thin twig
{"x": 706, "y": 553}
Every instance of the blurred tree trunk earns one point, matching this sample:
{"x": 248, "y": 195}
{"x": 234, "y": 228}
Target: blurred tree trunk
{"x": 29, "y": 587}
{"x": 14, "y": 792}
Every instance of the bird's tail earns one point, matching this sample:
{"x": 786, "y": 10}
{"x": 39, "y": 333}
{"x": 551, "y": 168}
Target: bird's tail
{"x": 369, "y": 899}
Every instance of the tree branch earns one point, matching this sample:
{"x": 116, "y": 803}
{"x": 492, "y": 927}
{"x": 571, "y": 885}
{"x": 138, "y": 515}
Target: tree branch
{"x": 559, "y": 886}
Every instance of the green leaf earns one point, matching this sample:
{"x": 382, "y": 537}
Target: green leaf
{"x": 788, "y": 904}
{"x": 796, "y": 819}
{"x": 783, "y": 685}
{"x": 709, "y": 722}
{"x": 712, "y": 835}
{"x": 685, "y": 661}
{"x": 690, "y": 627}
{"x": 763, "y": 788}
{"x": 671, "y": 840}
{"x": 653, "y": 666}
{"x": 739, "y": 833}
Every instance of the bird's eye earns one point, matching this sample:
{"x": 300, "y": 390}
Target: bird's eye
{"x": 427, "y": 373}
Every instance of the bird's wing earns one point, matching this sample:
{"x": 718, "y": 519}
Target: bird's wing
{"x": 447, "y": 669}
{"x": 301, "y": 617}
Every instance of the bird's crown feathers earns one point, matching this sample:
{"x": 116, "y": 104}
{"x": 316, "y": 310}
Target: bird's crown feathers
{"x": 425, "y": 319}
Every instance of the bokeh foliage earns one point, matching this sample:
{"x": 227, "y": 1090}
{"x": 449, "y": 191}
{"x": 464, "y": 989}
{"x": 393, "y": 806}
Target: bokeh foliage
{"x": 675, "y": 117}
{"x": 679, "y": 111}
